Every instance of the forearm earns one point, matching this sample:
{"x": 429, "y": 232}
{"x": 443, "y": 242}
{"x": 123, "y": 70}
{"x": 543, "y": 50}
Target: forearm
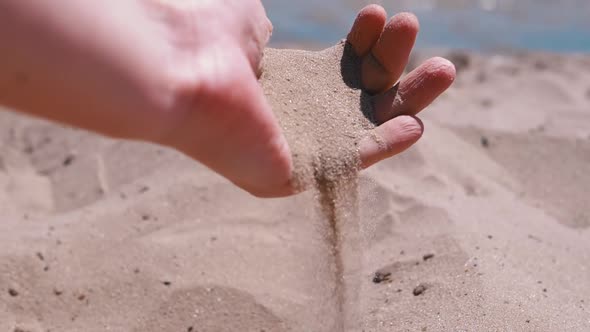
{"x": 76, "y": 62}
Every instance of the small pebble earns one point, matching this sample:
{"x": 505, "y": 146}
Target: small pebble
{"x": 419, "y": 290}
{"x": 427, "y": 257}
{"x": 485, "y": 142}
{"x": 381, "y": 277}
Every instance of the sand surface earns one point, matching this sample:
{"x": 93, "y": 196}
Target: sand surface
{"x": 483, "y": 226}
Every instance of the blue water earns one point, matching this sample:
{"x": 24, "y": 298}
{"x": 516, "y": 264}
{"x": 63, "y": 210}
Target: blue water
{"x": 484, "y": 25}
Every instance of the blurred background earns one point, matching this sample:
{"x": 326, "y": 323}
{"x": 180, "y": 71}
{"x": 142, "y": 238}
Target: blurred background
{"x": 483, "y": 25}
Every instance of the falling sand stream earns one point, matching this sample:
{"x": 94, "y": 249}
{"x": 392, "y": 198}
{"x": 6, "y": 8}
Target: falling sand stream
{"x": 324, "y": 113}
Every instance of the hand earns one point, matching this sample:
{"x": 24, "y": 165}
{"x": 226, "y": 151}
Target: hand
{"x": 184, "y": 74}
{"x": 230, "y": 127}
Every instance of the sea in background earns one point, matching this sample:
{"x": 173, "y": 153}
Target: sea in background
{"x": 482, "y": 25}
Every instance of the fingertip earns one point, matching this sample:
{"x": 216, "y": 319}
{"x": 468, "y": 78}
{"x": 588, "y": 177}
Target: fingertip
{"x": 390, "y": 139}
{"x": 373, "y": 14}
{"x": 390, "y": 54}
{"x": 375, "y": 11}
{"x": 405, "y": 21}
{"x": 404, "y": 129}
{"x": 367, "y": 28}
{"x": 442, "y": 69}
{"x": 401, "y": 30}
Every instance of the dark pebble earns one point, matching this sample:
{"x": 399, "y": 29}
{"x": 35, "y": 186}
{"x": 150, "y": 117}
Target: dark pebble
{"x": 485, "y": 142}
{"x": 381, "y": 277}
{"x": 427, "y": 257}
{"x": 419, "y": 290}
{"x": 487, "y": 103}
{"x": 68, "y": 160}
{"x": 12, "y": 292}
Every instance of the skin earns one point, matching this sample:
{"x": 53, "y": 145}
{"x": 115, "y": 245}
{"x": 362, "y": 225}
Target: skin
{"x": 184, "y": 74}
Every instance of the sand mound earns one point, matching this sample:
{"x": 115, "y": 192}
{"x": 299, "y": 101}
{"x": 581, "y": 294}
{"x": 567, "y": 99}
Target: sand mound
{"x": 103, "y": 235}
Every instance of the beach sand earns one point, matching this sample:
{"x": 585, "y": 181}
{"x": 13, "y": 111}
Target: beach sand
{"x": 482, "y": 226}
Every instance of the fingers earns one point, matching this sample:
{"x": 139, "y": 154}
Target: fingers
{"x": 384, "y": 65}
{"x": 415, "y": 91}
{"x": 366, "y": 29}
{"x": 389, "y": 139}
{"x": 385, "y": 50}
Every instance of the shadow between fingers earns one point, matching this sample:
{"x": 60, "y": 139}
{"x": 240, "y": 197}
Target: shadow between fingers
{"x": 351, "y": 70}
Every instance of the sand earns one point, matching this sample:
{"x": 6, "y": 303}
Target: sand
{"x": 105, "y": 235}
{"x": 324, "y": 114}
{"x": 321, "y": 108}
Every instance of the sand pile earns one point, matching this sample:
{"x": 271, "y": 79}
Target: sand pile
{"x": 482, "y": 226}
